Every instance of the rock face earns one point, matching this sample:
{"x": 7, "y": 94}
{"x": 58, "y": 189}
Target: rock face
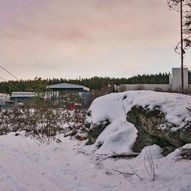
{"x": 186, "y": 153}
{"x": 153, "y": 128}
{"x": 185, "y": 134}
{"x": 146, "y": 117}
{"x": 95, "y": 130}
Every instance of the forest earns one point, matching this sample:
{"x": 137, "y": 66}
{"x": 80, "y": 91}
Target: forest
{"x": 39, "y": 85}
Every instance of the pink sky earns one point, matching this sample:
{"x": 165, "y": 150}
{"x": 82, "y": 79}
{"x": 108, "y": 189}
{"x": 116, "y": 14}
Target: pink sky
{"x": 85, "y": 38}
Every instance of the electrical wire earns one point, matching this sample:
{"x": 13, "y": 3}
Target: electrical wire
{"x": 9, "y": 72}
{"x": 3, "y": 68}
{"x": 12, "y": 86}
{"x": 21, "y": 47}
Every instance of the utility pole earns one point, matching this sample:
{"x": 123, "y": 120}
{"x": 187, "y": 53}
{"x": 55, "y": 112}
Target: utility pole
{"x": 182, "y": 48}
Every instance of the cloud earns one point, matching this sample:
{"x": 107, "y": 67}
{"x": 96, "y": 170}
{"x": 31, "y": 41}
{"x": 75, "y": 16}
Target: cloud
{"x": 90, "y": 36}
{"x": 95, "y": 19}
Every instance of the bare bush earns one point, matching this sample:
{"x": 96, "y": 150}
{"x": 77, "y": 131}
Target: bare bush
{"x": 189, "y": 110}
{"x": 41, "y": 123}
{"x": 129, "y": 174}
{"x": 149, "y": 165}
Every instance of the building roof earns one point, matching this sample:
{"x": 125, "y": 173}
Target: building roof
{"x": 67, "y": 86}
{"x": 23, "y": 94}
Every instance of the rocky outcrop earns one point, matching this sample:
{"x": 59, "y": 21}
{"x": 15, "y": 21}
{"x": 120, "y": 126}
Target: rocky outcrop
{"x": 185, "y": 133}
{"x": 186, "y": 153}
{"x": 153, "y": 128}
{"x": 95, "y": 130}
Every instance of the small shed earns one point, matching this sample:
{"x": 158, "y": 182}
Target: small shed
{"x": 21, "y": 97}
{"x": 68, "y": 94}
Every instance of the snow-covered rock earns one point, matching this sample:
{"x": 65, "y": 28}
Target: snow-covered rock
{"x": 119, "y": 135}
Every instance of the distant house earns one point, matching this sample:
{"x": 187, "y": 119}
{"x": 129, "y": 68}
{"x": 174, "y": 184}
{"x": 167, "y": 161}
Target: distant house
{"x": 67, "y": 87}
{"x": 68, "y": 95}
{"x": 22, "y": 97}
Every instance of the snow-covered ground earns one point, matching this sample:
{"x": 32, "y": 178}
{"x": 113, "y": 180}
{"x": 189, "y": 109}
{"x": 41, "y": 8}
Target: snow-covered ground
{"x": 27, "y": 165}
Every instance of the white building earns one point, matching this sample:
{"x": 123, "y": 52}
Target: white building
{"x": 20, "y": 97}
{"x": 175, "y": 79}
{"x": 174, "y": 83}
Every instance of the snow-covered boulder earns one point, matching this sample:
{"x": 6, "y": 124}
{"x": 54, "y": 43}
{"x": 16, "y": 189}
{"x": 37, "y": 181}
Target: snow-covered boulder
{"x": 137, "y": 119}
{"x": 153, "y": 128}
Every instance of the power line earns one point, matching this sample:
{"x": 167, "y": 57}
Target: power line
{"x": 12, "y": 86}
{"x": 20, "y": 46}
{"x": 9, "y": 72}
{"x": 3, "y": 68}
{"x": 27, "y": 53}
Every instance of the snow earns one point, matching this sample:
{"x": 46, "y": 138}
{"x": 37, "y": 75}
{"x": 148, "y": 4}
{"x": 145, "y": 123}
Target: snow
{"x": 154, "y": 151}
{"x": 118, "y": 104}
{"x": 187, "y": 146}
{"x": 113, "y": 107}
{"x": 27, "y": 165}
{"x": 119, "y": 140}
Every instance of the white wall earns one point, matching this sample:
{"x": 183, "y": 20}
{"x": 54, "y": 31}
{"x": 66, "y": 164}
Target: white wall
{"x": 153, "y": 87}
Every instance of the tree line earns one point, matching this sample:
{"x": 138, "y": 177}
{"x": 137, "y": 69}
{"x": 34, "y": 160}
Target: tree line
{"x": 97, "y": 83}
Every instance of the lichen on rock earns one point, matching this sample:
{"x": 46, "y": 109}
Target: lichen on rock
{"x": 153, "y": 128}
{"x": 95, "y": 130}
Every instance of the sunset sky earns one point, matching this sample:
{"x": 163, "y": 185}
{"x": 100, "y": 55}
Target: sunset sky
{"x": 86, "y": 38}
